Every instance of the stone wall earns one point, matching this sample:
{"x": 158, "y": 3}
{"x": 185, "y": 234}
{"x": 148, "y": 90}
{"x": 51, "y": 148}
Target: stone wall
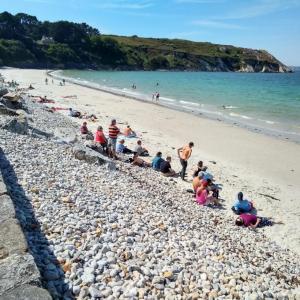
{"x": 19, "y": 275}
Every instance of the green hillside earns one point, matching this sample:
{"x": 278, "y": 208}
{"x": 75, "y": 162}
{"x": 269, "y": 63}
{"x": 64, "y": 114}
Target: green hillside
{"x": 27, "y": 42}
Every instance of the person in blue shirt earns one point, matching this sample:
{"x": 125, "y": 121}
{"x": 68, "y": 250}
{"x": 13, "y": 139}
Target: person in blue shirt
{"x": 156, "y": 162}
{"x": 121, "y": 148}
{"x": 241, "y": 205}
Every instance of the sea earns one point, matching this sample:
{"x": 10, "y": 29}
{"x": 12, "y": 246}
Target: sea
{"x": 261, "y": 102}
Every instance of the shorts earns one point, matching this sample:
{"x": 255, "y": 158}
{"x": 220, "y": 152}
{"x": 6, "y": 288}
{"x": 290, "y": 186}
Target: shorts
{"x": 112, "y": 143}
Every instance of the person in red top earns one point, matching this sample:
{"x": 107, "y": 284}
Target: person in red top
{"x": 101, "y": 139}
{"x": 184, "y": 154}
{"x": 113, "y": 132}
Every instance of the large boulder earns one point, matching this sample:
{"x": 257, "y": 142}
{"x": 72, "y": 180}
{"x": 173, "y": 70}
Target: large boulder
{"x": 26, "y": 292}
{"x": 13, "y": 97}
{"x": 3, "y": 91}
{"x": 17, "y": 125}
{"x": 17, "y": 270}
{"x": 93, "y": 157}
{"x": 7, "y": 111}
{"x": 7, "y": 210}
{"x": 65, "y": 135}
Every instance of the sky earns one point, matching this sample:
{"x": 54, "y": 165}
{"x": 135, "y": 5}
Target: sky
{"x": 273, "y": 25}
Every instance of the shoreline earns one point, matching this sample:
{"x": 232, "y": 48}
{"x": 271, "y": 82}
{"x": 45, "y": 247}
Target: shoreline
{"x": 256, "y": 164}
{"x": 210, "y": 115}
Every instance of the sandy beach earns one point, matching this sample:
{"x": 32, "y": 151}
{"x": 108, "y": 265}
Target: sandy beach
{"x": 265, "y": 169}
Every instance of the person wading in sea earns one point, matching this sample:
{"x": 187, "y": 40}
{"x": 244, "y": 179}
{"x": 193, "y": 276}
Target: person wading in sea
{"x": 184, "y": 154}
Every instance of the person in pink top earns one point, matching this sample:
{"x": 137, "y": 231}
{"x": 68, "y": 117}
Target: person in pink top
{"x": 203, "y": 197}
{"x": 252, "y": 221}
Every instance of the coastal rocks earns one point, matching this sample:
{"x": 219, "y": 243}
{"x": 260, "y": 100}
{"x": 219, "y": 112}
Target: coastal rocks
{"x": 92, "y": 157}
{"x": 65, "y": 135}
{"x": 7, "y": 111}
{"x": 3, "y": 91}
{"x": 17, "y": 125}
{"x": 27, "y": 292}
{"x": 17, "y": 270}
{"x": 11, "y": 237}
{"x": 7, "y": 207}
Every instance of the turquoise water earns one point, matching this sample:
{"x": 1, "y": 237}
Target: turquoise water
{"x": 260, "y": 100}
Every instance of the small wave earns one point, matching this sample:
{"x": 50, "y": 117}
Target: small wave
{"x": 186, "y": 107}
{"x": 267, "y": 121}
{"x": 167, "y": 99}
{"x": 240, "y": 116}
{"x": 230, "y": 107}
{"x": 211, "y": 112}
{"x": 246, "y": 117}
{"x": 189, "y": 103}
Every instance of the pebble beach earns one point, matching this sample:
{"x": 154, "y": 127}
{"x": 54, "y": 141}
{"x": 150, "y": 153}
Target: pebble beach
{"x": 130, "y": 233}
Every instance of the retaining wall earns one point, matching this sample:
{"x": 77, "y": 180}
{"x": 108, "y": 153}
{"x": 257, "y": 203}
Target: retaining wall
{"x": 19, "y": 275}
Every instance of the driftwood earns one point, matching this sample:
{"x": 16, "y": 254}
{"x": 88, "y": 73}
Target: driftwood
{"x": 269, "y": 196}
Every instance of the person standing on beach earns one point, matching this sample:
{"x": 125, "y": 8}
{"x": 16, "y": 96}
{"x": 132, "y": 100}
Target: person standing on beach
{"x": 46, "y": 81}
{"x": 113, "y": 132}
{"x": 184, "y": 154}
{"x": 157, "y": 97}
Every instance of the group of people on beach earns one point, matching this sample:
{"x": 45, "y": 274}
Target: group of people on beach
{"x": 205, "y": 190}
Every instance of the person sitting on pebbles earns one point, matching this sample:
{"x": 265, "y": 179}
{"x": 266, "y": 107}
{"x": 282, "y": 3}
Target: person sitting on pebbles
{"x": 121, "y": 148}
{"x": 198, "y": 181}
{"x": 85, "y": 132}
{"x": 252, "y": 221}
{"x": 141, "y": 151}
{"x": 198, "y": 169}
{"x": 100, "y": 139}
{"x": 203, "y": 196}
{"x": 137, "y": 161}
{"x": 128, "y": 132}
{"x": 242, "y": 205}
{"x": 166, "y": 169}
{"x": 156, "y": 162}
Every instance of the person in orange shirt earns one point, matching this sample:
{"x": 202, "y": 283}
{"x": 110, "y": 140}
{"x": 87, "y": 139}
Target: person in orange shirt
{"x": 184, "y": 154}
{"x": 129, "y": 132}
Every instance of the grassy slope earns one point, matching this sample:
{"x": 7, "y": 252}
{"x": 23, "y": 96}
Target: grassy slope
{"x": 195, "y": 48}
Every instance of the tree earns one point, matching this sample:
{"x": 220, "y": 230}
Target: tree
{"x": 61, "y": 53}
{"x": 108, "y": 49}
{"x": 10, "y": 28}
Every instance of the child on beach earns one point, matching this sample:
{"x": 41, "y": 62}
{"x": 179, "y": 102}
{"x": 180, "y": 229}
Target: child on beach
{"x": 198, "y": 169}
{"x": 252, "y": 221}
{"x": 242, "y": 205}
